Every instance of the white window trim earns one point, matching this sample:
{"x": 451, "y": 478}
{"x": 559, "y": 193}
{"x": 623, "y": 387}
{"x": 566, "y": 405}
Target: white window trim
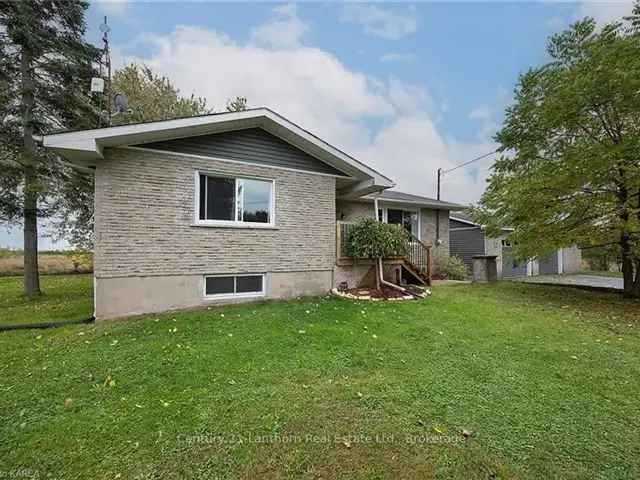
{"x": 233, "y": 223}
{"x": 222, "y": 296}
{"x": 415, "y": 210}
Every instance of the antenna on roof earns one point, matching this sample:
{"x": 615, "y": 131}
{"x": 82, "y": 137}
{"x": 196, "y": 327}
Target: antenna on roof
{"x": 101, "y": 85}
{"x": 105, "y": 29}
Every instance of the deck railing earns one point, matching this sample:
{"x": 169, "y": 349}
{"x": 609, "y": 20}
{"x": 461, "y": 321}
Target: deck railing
{"x": 418, "y": 254}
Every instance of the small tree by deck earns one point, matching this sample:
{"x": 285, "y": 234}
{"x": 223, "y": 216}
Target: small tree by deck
{"x": 375, "y": 240}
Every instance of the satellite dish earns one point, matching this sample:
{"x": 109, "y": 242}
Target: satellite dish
{"x": 120, "y": 102}
{"x": 104, "y": 28}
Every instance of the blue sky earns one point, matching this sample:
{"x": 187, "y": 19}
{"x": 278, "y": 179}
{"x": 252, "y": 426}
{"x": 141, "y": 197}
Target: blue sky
{"x": 405, "y": 87}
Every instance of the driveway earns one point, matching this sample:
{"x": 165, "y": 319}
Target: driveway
{"x": 592, "y": 281}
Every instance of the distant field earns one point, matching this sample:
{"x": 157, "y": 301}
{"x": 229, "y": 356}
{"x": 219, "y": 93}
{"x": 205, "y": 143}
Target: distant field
{"x": 55, "y": 262}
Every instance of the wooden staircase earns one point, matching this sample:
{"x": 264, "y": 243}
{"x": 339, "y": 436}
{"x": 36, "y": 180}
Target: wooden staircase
{"x": 417, "y": 261}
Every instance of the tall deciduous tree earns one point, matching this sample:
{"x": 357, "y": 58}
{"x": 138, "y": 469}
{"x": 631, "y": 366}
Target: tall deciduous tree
{"x": 570, "y": 172}
{"x": 152, "y": 96}
{"x": 45, "y": 67}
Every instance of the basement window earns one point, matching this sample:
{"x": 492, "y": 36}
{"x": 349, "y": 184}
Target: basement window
{"x": 228, "y": 286}
{"x": 231, "y": 201}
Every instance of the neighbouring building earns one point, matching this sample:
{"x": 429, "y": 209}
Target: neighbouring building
{"x": 468, "y": 239}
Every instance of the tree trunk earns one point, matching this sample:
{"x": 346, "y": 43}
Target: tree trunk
{"x": 378, "y": 285}
{"x": 630, "y": 269}
{"x": 30, "y": 211}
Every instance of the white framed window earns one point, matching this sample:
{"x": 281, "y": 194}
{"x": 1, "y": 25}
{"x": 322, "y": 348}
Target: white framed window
{"x": 234, "y": 286}
{"x": 409, "y": 219}
{"x": 234, "y": 201}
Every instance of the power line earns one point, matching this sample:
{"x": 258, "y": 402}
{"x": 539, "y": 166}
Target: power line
{"x": 470, "y": 161}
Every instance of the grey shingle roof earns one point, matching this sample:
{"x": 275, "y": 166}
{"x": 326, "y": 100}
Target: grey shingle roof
{"x": 395, "y": 196}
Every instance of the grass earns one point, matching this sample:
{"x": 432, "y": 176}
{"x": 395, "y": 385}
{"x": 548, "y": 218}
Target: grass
{"x": 545, "y": 378}
{"x": 65, "y": 297}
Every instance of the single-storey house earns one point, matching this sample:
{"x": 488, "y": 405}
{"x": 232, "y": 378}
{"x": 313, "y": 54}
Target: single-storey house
{"x": 468, "y": 239}
{"x": 230, "y": 207}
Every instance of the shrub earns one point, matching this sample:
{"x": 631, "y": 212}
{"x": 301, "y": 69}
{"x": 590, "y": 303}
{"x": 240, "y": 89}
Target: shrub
{"x": 369, "y": 238}
{"x": 450, "y": 267}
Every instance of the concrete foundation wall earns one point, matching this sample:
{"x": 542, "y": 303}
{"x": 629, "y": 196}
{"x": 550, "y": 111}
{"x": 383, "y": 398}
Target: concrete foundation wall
{"x": 354, "y": 275}
{"x": 126, "y": 296}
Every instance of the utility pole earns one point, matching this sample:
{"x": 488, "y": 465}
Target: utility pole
{"x": 438, "y": 210}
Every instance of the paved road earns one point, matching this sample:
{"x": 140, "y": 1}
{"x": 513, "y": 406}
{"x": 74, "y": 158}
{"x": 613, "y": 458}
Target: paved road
{"x": 578, "y": 280}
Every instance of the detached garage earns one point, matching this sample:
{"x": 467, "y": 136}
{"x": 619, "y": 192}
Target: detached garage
{"x": 468, "y": 239}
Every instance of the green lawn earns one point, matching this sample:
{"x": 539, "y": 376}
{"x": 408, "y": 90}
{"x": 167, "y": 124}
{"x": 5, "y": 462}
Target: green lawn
{"x": 545, "y": 378}
{"x": 65, "y": 297}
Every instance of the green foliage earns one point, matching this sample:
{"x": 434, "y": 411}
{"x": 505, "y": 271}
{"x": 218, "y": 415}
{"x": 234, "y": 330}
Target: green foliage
{"x": 570, "y": 173}
{"x": 152, "y": 96}
{"x": 239, "y": 104}
{"x": 449, "y": 267}
{"x": 369, "y": 238}
{"x": 602, "y": 258}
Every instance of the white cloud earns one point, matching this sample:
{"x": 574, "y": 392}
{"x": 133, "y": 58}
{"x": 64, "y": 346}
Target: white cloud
{"x": 606, "y": 11}
{"x": 387, "y": 123}
{"x": 380, "y": 22}
{"x": 411, "y": 149}
{"x": 483, "y": 112}
{"x": 113, "y": 7}
{"x": 284, "y": 30}
{"x": 398, "y": 57}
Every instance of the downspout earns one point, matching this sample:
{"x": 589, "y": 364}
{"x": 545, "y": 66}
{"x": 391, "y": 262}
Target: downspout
{"x": 376, "y": 210}
{"x": 393, "y": 285}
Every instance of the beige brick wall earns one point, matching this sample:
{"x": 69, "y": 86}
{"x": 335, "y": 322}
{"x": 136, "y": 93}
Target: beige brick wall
{"x": 349, "y": 211}
{"x": 145, "y": 211}
{"x": 428, "y": 226}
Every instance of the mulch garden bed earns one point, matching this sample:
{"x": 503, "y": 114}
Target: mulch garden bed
{"x": 384, "y": 293}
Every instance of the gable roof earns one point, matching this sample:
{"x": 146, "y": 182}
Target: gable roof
{"x": 85, "y": 147}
